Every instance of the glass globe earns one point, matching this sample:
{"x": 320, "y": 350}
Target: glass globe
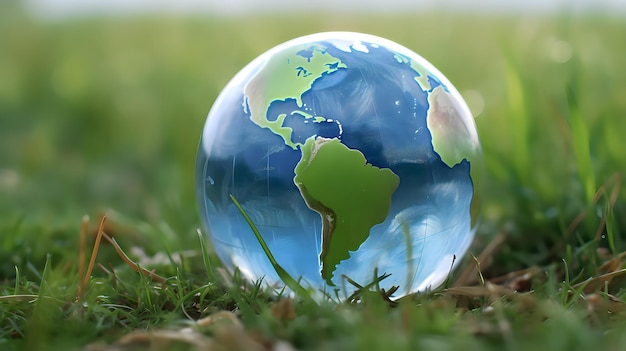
{"x": 351, "y": 154}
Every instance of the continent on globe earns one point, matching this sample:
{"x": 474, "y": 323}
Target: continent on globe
{"x": 422, "y": 72}
{"x": 286, "y": 76}
{"x": 453, "y": 138}
{"x": 350, "y": 195}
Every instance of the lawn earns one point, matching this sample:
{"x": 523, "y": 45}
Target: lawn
{"x": 102, "y": 116}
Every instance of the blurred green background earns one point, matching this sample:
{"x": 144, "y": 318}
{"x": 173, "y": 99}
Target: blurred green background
{"x": 105, "y": 113}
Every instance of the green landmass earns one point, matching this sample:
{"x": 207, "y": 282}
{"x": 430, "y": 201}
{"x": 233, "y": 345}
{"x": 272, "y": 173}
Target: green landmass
{"x": 286, "y": 75}
{"x": 350, "y": 195}
{"x": 451, "y": 138}
{"x": 422, "y": 72}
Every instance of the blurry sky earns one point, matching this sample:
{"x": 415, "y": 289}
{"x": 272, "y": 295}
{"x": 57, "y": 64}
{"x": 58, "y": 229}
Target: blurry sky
{"x": 64, "y": 8}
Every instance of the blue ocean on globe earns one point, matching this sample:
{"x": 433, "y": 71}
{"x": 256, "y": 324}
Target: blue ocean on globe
{"x": 351, "y": 154}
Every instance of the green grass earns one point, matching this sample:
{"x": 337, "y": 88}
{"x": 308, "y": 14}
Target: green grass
{"x": 103, "y": 115}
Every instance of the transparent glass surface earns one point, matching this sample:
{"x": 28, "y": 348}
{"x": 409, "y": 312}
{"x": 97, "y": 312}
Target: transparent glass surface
{"x": 350, "y": 153}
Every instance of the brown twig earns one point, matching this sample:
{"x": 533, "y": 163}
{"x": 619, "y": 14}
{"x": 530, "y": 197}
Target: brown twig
{"x": 596, "y": 283}
{"x": 132, "y": 264}
{"x": 94, "y": 253}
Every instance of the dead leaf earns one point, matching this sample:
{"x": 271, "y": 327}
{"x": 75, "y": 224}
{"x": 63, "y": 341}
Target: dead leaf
{"x": 598, "y": 283}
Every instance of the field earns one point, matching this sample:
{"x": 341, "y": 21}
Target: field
{"x": 102, "y": 116}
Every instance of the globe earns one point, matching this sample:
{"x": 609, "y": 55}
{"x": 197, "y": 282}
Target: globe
{"x": 351, "y": 155}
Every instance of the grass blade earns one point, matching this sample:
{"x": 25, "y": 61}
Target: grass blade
{"x": 282, "y": 273}
{"x": 519, "y": 121}
{"x": 205, "y": 254}
{"x": 580, "y": 144}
